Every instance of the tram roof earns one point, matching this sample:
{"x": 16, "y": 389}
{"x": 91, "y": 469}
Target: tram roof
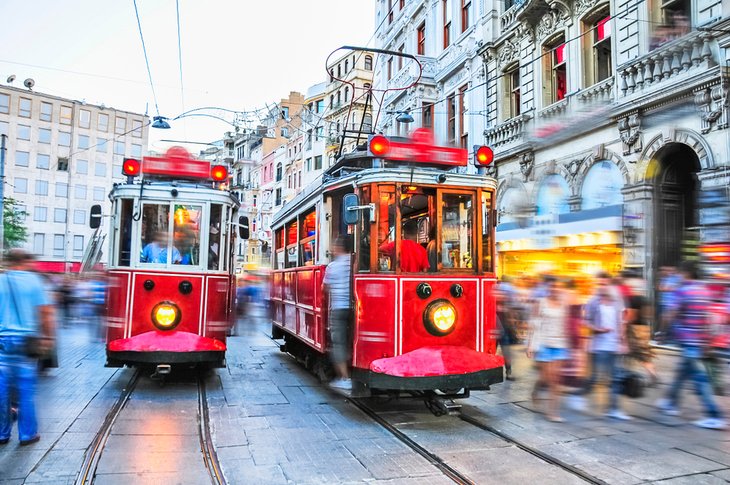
{"x": 186, "y": 191}
{"x": 358, "y": 168}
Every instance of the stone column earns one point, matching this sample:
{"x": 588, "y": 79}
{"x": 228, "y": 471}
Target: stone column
{"x": 638, "y": 228}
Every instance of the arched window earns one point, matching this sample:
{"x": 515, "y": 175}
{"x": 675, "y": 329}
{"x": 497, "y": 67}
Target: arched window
{"x": 368, "y": 63}
{"x": 347, "y": 93}
{"x": 511, "y": 205}
{"x": 602, "y": 186}
{"x": 278, "y": 172}
{"x": 347, "y": 66}
{"x": 339, "y": 70}
{"x": 339, "y": 98}
{"x": 552, "y": 196}
{"x": 332, "y": 75}
{"x": 332, "y": 100}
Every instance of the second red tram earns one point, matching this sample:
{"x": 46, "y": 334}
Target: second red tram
{"x": 171, "y": 285}
{"x": 419, "y": 330}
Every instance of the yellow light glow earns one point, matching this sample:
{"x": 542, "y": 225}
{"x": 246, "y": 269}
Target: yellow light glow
{"x": 166, "y": 315}
{"x": 444, "y": 317}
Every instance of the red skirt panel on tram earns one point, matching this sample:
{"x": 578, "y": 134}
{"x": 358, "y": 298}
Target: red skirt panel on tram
{"x": 297, "y": 305}
{"x": 197, "y": 308}
{"x": 395, "y": 346}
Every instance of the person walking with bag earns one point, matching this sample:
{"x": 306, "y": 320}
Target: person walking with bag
{"x": 549, "y": 344}
{"x": 26, "y": 332}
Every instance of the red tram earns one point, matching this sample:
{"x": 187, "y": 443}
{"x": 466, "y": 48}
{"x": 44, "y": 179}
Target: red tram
{"x": 171, "y": 286}
{"x": 424, "y": 333}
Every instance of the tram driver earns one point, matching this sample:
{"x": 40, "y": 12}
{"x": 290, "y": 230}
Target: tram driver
{"x": 413, "y": 256}
{"x": 156, "y": 251}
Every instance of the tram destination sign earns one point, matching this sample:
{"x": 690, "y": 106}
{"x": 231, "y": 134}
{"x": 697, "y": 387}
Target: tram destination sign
{"x": 419, "y": 148}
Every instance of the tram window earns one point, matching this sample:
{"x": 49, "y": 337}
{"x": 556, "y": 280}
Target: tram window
{"x": 456, "y": 231}
{"x": 186, "y": 232}
{"x": 417, "y": 205}
{"x": 487, "y": 256}
{"x": 386, "y": 227}
{"x": 292, "y": 240}
{"x": 214, "y": 236}
{"x": 124, "y": 246}
{"x": 156, "y": 235}
{"x": 280, "y": 248}
{"x": 308, "y": 238}
{"x": 225, "y": 235}
{"x": 363, "y": 232}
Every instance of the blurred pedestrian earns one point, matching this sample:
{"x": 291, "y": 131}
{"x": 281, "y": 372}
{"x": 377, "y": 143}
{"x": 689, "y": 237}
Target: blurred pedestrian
{"x": 506, "y": 321}
{"x": 66, "y": 299}
{"x": 604, "y": 316}
{"x": 336, "y": 286}
{"x": 549, "y": 344}
{"x": 26, "y": 331}
{"x": 97, "y": 301}
{"x": 669, "y": 281}
{"x": 691, "y": 314}
{"x": 638, "y": 325}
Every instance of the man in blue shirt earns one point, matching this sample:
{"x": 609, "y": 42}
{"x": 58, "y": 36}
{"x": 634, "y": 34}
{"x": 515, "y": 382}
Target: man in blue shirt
{"x": 25, "y": 311}
{"x": 156, "y": 251}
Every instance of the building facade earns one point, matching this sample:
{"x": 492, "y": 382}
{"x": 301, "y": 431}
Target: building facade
{"x": 446, "y": 94}
{"x": 62, "y": 157}
{"x": 608, "y": 120}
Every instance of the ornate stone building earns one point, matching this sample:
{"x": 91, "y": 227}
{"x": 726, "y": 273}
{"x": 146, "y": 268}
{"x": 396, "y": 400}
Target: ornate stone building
{"x": 607, "y": 119}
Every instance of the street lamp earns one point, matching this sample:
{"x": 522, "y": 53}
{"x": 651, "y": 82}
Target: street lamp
{"x": 160, "y": 122}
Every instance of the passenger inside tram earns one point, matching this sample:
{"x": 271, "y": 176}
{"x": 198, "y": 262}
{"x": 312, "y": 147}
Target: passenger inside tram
{"x": 156, "y": 251}
{"x": 413, "y": 256}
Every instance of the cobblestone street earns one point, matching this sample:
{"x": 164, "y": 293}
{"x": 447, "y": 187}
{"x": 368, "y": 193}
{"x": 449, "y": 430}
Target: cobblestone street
{"x": 274, "y": 423}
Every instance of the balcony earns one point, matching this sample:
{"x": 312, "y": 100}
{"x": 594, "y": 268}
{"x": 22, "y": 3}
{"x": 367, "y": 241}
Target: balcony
{"x": 506, "y": 132}
{"x": 601, "y": 92}
{"x": 680, "y": 59}
{"x": 555, "y": 110}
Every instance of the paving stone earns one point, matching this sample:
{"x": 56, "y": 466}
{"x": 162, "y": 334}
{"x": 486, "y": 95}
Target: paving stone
{"x": 700, "y": 479}
{"x": 247, "y": 472}
{"x": 115, "y": 462}
{"x": 187, "y": 478}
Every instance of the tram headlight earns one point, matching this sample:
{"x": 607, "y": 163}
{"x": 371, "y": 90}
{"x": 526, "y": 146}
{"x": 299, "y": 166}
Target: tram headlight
{"x": 439, "y": 317}
{"x": 166, "y": 315}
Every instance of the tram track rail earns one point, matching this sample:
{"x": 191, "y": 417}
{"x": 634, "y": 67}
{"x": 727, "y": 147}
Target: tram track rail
{"x": 532, "y": 450}
{"x": 449, "y": 471}
{"x": 210, "y": 457}
{"x": 455, "y": 475}
{"x": 94, "y": 452}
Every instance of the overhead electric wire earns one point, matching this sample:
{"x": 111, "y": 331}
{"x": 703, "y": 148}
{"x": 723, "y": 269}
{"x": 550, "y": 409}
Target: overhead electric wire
{"x": 179, "y": 55}
{"x": 146, "y": 59}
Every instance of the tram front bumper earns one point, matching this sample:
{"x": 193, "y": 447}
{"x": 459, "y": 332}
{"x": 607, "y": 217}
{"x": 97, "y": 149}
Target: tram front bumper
{"x": 167, "y": 347}
{"x": 436, "y": 367}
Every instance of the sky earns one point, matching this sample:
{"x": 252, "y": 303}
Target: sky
{"x": 237, "y": 55}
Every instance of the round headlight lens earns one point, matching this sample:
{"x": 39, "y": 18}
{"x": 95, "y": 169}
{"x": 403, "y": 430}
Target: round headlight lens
{"x": 440, "y": 318}
{"x": 166, "y": 315}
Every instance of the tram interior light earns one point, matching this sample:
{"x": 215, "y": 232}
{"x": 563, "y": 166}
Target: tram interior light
{"x": 218, "y": 173}
{"x": 131, "y": 167}
{"x": 379, "y": 145}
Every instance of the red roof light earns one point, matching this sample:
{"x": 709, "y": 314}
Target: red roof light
{"x": 219, "y": 173}
{"x": 484, "y": 155}
{"x": 379, "y": 145}
{"x": 131, "y": 167}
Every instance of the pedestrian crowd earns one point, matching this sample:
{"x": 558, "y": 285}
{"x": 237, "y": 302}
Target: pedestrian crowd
{"x": 32, "y": 305}
{"x": 579, "y": 339}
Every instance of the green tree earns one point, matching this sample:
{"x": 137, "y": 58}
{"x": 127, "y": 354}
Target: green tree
{"x": 15, "y": 231}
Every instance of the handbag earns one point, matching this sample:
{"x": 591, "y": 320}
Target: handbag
{"x": 31, "y": 344}
{"x": 632, "y": 384}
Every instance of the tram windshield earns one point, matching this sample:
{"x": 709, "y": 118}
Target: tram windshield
{"x": 427, "y": 229}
